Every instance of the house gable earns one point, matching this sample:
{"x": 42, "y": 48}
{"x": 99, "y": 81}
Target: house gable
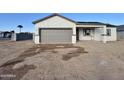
{"x": 55, "y": 22}
{"x": 55, "y": 14}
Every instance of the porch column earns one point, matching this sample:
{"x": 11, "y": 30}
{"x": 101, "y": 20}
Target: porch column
{"x": 104, "y": 35}
{"x": 74, "y": 35}
{"x": 14, "y": 37}
{"x": 36, "y": 36}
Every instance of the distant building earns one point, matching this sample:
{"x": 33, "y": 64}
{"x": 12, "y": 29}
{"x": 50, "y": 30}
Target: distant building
{"x": 6, "y": 34}
{"x": 11, "y": 35}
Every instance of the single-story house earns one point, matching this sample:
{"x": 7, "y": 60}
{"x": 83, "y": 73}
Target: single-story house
{"x": 6, "y": 35}
{"x": 59, "y": 29}
{"x": 120, "y": 32}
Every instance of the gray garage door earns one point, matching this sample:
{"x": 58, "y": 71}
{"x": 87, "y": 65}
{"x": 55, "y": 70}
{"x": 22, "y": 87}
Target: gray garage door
{"x": 56, "y": 35}
{"x": 120, "y": 35}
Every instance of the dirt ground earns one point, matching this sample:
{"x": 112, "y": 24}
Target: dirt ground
{"x": 86, "y": 60}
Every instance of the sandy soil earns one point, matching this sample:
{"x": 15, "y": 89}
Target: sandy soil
{"x": 11, "y": 49}
{"x": 86, "y": 60}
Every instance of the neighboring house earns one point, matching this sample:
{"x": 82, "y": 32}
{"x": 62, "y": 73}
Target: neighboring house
{"x": 11, "y": 35}
{"x": 120, "y": 32}
{"x": 59, "y": 29}
{"x": 6, "y": 34}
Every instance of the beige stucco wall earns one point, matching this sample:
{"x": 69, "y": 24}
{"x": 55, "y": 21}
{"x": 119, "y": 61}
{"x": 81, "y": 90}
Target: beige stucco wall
{"x": 95, "y": 35}
{"x": 99, "y": 32}
{"x": 55, "y": 22}
{"x": 58, "y": 22}
{"x": 82, "y": 37}
{"x": 113, "y": 36}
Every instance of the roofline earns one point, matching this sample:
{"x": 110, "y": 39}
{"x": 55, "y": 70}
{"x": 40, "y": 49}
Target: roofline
{"x": 99, "y": 23}
{"x": 77, "y": 23}
{"x": 55, "y": 14}
{"x": 110, "y": 25}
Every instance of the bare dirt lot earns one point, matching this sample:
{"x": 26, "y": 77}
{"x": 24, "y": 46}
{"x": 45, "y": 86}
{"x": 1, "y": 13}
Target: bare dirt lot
{"x": 86, "y": 60}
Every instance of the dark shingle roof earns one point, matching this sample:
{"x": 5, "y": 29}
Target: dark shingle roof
{"x": 110, "y": 25}
{"x": 95, "y": 23}
{"x": 90, "y": 23}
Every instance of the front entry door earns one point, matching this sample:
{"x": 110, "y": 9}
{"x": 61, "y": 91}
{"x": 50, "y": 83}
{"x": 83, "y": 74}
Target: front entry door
{"x": 88, "y": 34}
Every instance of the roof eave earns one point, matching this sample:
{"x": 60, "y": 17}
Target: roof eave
{"x": 55, "y": 14}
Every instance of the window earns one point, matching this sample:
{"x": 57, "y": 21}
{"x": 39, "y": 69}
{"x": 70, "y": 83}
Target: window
{"x": 108, "y": 32}
{"x": 86, "y": 32}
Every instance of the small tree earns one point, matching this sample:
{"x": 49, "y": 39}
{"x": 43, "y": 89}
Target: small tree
{"x": 20, "y": 27}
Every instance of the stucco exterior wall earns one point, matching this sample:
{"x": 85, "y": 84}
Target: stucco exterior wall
{"x": 55, "y": 22}
{"x": 96, "y": 34}
{"x": 36, "y": 35}
{"x": 82, "y": 37}
{"x": 113, "y": 36}
{"x": 99, "y": 34}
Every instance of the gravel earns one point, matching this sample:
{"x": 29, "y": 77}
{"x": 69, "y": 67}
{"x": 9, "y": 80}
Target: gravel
{"x": 97, "y": 61}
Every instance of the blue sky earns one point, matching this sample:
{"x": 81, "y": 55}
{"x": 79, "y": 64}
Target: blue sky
{"x": 9, "y": 21}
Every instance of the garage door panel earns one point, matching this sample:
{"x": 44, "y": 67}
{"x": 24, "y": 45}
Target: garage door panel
{"x": 56, "y": 35}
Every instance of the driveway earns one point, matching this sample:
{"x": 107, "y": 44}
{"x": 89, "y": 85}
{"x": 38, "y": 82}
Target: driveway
{"x": 86, "y": 60}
